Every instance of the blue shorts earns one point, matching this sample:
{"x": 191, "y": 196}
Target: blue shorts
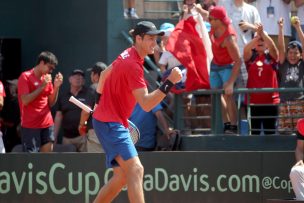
{"x": 219, "y": 75}
{"x": 33, "y": 138}
{"x": 115, "y": 140}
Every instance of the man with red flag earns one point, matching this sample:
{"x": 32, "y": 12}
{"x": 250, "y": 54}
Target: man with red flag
{"x": 190, "y": 44}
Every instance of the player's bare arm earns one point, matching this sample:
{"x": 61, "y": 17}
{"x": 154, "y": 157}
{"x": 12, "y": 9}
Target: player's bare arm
{"x": 149, "y": 100}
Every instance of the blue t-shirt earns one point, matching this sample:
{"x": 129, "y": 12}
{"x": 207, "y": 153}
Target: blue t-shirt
{"x": 146, "y": 123}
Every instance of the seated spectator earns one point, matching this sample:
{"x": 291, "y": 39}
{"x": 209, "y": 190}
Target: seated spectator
{"x": 260, "y": 55}
{"x": 146, "y": 122}
{"x": 85, "y": 124}
{"x": 291, "y": 75}
{"x": 68, "y": 114}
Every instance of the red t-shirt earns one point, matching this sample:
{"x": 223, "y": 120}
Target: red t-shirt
{"x": 262, "y": 74}
{"x": 117, "y": 101}
{"x": 220, "y": 54}
{"x": 2, "y": 92}
{"x": 37, "y": 113}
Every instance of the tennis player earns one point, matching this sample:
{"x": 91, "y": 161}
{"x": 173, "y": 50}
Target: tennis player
{"x": 122, "y": 84}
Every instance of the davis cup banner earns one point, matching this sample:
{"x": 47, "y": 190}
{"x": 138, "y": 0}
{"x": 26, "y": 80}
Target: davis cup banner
{"x": 185, "y": 177}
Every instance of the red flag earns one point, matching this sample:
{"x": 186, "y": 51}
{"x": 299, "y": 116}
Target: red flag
{"x": 186, "y": 44}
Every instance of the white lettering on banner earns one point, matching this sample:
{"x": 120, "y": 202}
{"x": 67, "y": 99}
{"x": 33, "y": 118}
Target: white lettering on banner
{"x": 61, "y": 180}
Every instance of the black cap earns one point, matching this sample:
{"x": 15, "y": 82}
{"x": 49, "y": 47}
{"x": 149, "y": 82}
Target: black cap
{"x": 148, "y": 28}
{"x": 97, "y": 68}
{"x": 77, "y": 71}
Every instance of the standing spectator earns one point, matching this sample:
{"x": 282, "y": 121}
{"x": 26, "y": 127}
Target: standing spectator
{"x": 36, "y": 95}
{"x": 146, "y": 123}
{"x": 11, "y": 117}
{"x": 68, "y": 114}
{"x": 122, "y": 85}
{"x": 226, "y": 63}
{"x": 244, "y": 17}
{"x": 297, "y": 171}
{"x": 271, "y": 11}
{"x": 261, "y": 55}
{"x": 85, "y": 123}
{"x": 291, "y": 75}
{"x": 2, "y": 95}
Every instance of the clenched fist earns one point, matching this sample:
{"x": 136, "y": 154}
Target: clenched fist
{"x": 175, "y": 75}
{"x": 58, "y": 80}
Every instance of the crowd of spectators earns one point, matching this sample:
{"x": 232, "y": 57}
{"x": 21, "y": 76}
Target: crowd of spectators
{"x": 240, "y": 21}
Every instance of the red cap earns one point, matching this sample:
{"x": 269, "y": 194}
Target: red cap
{"x": 219, "y": 12}
{"x": 300, "y": 126}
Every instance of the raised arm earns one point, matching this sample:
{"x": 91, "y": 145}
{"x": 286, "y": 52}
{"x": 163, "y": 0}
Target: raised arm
{"x": 273, "y": 51}
{"x": 57, "y": 83}
{"x": 248, "y": 49}
{"x": 281, "y": 42}
{"x": 297, "y": 26}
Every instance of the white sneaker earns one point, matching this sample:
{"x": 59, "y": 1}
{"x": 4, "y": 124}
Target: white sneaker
{"x": 130, "y": 13}
{"x": 126, "y": 13}
{"x": 133, "y": 14}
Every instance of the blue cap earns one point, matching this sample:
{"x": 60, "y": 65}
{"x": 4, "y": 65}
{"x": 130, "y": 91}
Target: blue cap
{"x": 166, "y": 26}
{"x": 294, "y": 44}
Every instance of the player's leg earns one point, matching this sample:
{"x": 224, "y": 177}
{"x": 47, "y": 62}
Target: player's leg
{"x": 134, "y": 172}
{"x": 109, "y": 191}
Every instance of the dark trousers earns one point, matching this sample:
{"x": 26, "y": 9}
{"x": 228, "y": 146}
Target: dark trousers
{"x": 269, "y": 124}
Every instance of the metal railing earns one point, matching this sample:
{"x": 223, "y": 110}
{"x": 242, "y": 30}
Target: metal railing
{"x": 215, "y": 116}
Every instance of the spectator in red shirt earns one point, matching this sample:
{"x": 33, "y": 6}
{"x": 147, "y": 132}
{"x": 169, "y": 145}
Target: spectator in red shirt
{"x": 36, "y": 95}
{"x": 261, "y": 56}
{"x": 226, "y": 63}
